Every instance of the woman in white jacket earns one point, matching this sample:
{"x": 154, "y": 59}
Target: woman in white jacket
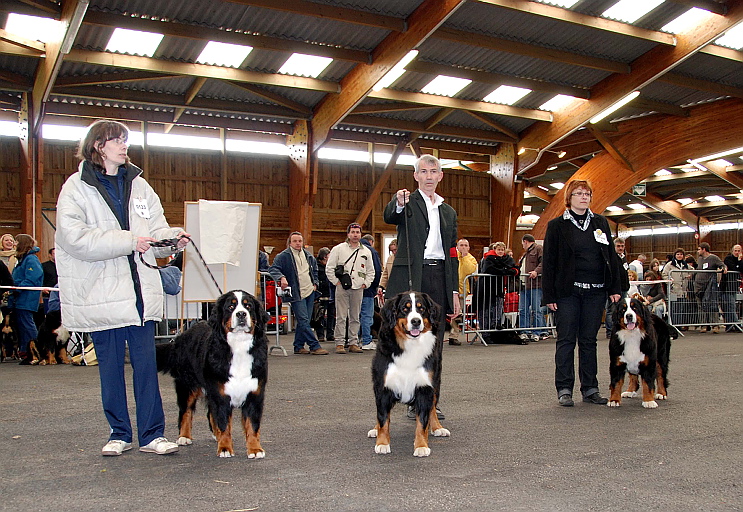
{"x": 106, "y": 214}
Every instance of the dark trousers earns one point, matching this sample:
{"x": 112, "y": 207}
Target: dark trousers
{"x": 434, "y": 284}
{"x": 578, "y": 319}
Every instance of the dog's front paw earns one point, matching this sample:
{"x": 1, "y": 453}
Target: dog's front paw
{"x": 658, "y": 396}
{"x": 226, "y": 454}
{"x": 441, "y": 432}
{"x": 257, "y": 455}
{"x": 629, "y": 394}
{"x": 652, "y": 404}
{"x": 613, "y": 403}
{"x": 382, "y": 448}
{"x": 184, "y": 441}
{"x": 423, "y": 451}
{"x": 372, "y": 433}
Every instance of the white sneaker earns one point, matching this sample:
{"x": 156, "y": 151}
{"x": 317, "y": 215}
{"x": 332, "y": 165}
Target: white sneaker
{"x": 372, "y": 345}
{"x": 160, "y": 446}
{"x": 115, "y": 447}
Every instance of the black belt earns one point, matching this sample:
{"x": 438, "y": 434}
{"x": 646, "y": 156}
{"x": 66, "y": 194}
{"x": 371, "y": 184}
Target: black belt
{"x": 433, "y": 262}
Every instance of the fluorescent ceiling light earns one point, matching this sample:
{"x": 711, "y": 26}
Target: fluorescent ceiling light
{"x": 630, "y": 11}
{"x": 305, "y": 65}
{"x": 615, "y": 208}
{"x": 616, "y": 106}
{"x": 684, "y": 201}
{"x": 733, "y": 38}
{"x": 557, "y": 185}
{"x": 506, "y": 95}
{"x": 543, "y": 188}
{"x": 444, "y": 85}
{"x": 551, "y": 167}
{"x": 567, "y": 4}
{"x": 714, "y": 198}
{"x": 636, "y": 206}
{"x": 224, "y": 54}
{"x": 715, "y": 156}
{"x": 558, "y": 102}
{"x": 396, "y": 72}
{"x": 691, "y": 18}
{"x": 134, "y": 42}
{"x": 34, "y": 27}
{"x": 263, "y": 148}
{"x": 663, "y": 172}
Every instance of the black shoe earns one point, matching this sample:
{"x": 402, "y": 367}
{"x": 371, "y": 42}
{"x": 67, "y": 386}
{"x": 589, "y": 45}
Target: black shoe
{"x": 452, "y": 341}
{"x": 439, "y": 414}
{"x": 596, "y": 398}
{"x": 566, "y": 400}
{"x": 330, "y": 338}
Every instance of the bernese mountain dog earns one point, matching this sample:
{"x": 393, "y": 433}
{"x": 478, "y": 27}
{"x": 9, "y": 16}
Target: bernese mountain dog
{"x": 224, "y": 360}
{"x": 9, "y": 345}
{"x": 641, "y": 345}
{"x": 407, "y": 368}
{"x": 51, "y": 343}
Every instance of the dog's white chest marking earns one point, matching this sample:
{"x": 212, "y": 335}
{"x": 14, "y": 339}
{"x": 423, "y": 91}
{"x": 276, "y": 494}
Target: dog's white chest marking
{"x": 631, "y": 354}
{"x": 241, "y": 381}
{"x": 406, "y": 373}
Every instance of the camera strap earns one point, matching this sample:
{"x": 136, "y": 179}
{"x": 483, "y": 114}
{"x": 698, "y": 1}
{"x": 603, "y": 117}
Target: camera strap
{"x": 354, "y": 255}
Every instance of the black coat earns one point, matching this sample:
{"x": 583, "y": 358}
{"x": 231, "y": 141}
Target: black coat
{"x": 501, "y": 267}
{"x": 417, "y": 231}
{"x": 559, "y": 259}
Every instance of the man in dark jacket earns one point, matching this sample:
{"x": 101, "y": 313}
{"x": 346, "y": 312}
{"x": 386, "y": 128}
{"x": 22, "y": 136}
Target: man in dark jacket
{"x": 619, "y": 245}
{"x": 367, "y": 303}
{"x": 295, "y": 269}
{"x": 731, "y": 286}
{"x": 530, "y": 300}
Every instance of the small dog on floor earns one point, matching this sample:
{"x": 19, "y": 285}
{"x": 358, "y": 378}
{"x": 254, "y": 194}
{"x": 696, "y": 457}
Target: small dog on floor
{"x": 224, "y": 360}
{"x": 51, "y": 344}
{"x": 641, "y": 345}
{"x": 9, "y": 345}
{"x": 407, "y": 368}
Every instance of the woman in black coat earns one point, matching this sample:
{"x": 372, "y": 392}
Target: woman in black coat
{"x": 580, "y": 269}
{"x": 491, "y": 290}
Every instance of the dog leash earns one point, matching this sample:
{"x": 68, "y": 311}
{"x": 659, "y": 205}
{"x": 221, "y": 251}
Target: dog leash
{"x": 173, "y": 244}
{"x": 407, "y": 242}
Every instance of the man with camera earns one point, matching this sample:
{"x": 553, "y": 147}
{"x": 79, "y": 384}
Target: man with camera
{"x": 351, "y": 270}
{"x": 295, "y": 270}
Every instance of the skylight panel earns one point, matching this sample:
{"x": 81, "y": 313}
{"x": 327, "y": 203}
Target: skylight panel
{"x": 33, "y": 27}
{"x": 714, "y": 198}
{"x": 722, "y": 162}
{"x": 733, "y": 38}
{"x": 615, "y": 208}
{"x": 663, "y": 172}
{"x": 396, "y": 72}
{"x": 305, "y": 65}
{"x": 630, "y": 11}
{"x": 506, "y": 95}
{"x": 558, "y": 102}
{"x": 134, "y": 42}
{"x": 444, "y": 85}
{"x": 636, "y": 206}
{"x": 689, "y": 19}
{"x": 684, "y": 200}
{"x": 224, "y": 54}
{"x": 557, "y": 185}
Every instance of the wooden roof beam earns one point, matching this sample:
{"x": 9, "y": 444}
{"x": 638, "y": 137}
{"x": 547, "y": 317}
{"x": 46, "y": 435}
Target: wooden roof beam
{"x": 701, "y": 85}
{"x": 212, "y": 34}
{"x": 530, "y": 50}
{"x": 32, "y": 7}
{"x": 672, "y": 208}
{"x": 645, "y": 69}
{"x": 329, "y": 12}
{"x": 203, "y": 70}
{"x": 538, "y": 193}
{"x": 610, "y": 148}
{"x": 659, "y": 106}
{"x": 21, "y": 42}
{"x": 191, "y": 93}
{"x": 357, "y": 84}
{"x": 397, "y": 106}
{"x": 414, "y": 127}
{"x": 484, "y": 118}
{"x": 707, "y": 5}
{"x": 721, "y": 171}
{"x": 459, "y": 104}
{"x": 109, "y": 78}
{"x": 273, "y": 97}
{"x": 380, "y": 184}
{"x": 712, "y": 204}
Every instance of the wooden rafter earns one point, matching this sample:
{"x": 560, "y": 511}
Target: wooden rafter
{"x": 530, "y": 50}
{"x": 721, "y": 172}
{"x": 426, "y": 18}
{"x": 202, "y": 70}
{"x": 484, "y": 118}
{"x": 190, "y": 95}
{"x": 415, "y": 127}
{"x": 376, "y": 108}
{"x": 701, "y": 85}
{"x": 671, "y": 208}
{"x": 274, "y": 98}
{"x": 380, "y": 184}
{"x": 109, "y": 78}
{"x": 21, "y": 42}
{"x": 459, "y": 104}
{"x": 659, "y": 106}
{"x": 610, "y": 148}
{"x": 539, "y": 193}
{"x": 645, "y": 69}
{"x": 224, "y": 36}
{"x": 329, "y": 12}
{"x": 16, "y": 79}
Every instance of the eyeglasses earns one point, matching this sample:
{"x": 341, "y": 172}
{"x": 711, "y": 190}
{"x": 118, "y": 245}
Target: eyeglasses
{"x": 582, "y": 194}
{"x": 118, "y": 140}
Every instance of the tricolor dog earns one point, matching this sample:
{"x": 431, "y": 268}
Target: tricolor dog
{"x": 407, "y": 368}
{"x": 224, "y": 360}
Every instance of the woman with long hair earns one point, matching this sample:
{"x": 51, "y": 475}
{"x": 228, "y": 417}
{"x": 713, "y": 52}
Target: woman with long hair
{"x": 107, "y": 217}
{"x": 27, "y": 272}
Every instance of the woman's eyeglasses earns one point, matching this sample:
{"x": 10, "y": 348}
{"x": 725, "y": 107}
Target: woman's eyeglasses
{"x": 118, "y": 140}
{"x": 581, "y": 194}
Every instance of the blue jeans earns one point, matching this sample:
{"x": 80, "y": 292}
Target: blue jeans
{"x": 109, "y": 349}
{"x": 530, "y": 314}
{"x": 367, "y": 319}
{"x": 578, "y": 319}
{"x": 26, "y": 328}
{"x": 303, "y": 333}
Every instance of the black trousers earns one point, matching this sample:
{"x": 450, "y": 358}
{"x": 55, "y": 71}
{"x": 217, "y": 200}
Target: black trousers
{"x": 434, "y": 284}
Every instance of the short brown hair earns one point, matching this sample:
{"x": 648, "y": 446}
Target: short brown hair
{"x": 98, "y": 134}
{"x": 705, "y": 246}
{"x": 572, "y": 186}
{"x": 25, "y": 244}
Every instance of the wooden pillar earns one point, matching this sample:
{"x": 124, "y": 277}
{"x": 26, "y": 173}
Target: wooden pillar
{"x": 31, "y": 149}
{"x": 300, "y": 173}
{"x": 502, "y": 216}
{"x": 517, "y": 209}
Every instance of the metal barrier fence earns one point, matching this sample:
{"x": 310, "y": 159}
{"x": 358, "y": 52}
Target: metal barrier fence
{"x": 704, "y": 298}
{"x": 503, "y": 304}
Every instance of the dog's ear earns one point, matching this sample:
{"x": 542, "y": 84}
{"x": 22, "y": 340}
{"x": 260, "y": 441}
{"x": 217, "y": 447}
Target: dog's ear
{"x": 434, "y": 311}
{"x": 215, "y": 318}
{"x": 644, "y": 317}
{"x": 616, "y": 315}
{"x": 389, "y": 311}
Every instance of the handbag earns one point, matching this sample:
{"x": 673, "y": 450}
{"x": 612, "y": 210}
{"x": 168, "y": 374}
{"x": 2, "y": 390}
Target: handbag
{"x": 343, "y": 276}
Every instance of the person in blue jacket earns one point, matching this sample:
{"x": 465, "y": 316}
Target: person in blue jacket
{"x": 27, "y": 272}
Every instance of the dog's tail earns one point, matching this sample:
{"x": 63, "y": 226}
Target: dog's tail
{"x": 164, "y": 354}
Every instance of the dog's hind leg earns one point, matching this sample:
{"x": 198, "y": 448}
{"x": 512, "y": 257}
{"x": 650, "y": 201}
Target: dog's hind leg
{"x": 615, "y": 389}
{"x": 435, "y": 426}
{"x": 660, "y": 383}
{"x": 224, "y": 437}
{"x": 647, "y": 371}
{"x": 425, "y": 409}
{"x": 187, "y": 399}
{"x": 252, "y": 412}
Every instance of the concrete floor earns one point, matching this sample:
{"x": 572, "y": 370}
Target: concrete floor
{"x": 512, "y": 446}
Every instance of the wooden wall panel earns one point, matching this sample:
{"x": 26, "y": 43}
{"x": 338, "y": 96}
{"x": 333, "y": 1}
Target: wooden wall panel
{"x": 10, "y": 191}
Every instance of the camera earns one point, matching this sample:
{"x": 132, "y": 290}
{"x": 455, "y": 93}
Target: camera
{"x": 284, "y": 292}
